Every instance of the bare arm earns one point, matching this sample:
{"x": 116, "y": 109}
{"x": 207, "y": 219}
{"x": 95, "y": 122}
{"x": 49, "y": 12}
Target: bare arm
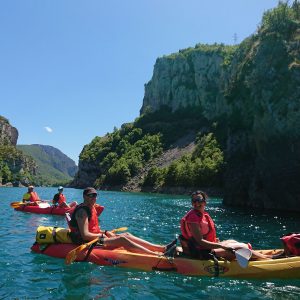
{"x": 83, "y": 226}
{"x": 197, "y": 235}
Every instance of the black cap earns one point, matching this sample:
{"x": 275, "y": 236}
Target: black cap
{"x": 89, "y": 190}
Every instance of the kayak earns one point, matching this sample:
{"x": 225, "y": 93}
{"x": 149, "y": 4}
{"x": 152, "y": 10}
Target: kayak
{"x": 288, "y": 267}
{"x": 50, "y": 210}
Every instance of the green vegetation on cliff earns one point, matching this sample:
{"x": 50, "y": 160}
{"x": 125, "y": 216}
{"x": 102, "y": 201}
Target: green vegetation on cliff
{"x": 201, "y": 168}
{"x": 121, "y": 154}
{"x": 15, "y": 166}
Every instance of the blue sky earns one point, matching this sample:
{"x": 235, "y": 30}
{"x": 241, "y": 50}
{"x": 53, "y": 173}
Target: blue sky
{"x": 71, "y": 70}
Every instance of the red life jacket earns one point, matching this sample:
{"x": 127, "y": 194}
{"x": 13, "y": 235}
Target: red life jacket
{"x": 61, "y": 199}
{"x": 34, "y": 197}
{"x": 292, "y": 243}
{"x": 92, "y": 217}
{"x": 185, "y": 230}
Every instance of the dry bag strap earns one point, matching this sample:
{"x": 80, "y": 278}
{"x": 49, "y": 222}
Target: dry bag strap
{"x": 54, "y": 234}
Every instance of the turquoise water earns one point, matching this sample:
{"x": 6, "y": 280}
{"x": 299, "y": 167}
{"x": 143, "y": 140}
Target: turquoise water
{"x": 26, "y": 275}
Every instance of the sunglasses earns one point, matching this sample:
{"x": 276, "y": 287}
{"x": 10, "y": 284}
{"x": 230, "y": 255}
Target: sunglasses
{"x": 198, "y": 199}
{"x": 92, "y": 195}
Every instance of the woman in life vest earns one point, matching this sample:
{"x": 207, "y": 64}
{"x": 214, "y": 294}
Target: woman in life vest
{"x": 31, "y": 197}
{"x": 85, "y": 227}
{"x": 59, "y": 199}
{"x": 199, "y": 233}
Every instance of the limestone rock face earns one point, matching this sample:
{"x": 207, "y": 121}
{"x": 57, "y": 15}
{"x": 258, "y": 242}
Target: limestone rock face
{"x": 87, "y": 174}
{"x": 8, "y": 134}
{"x": 256, "y": 94}
{"x": 190, "y": 78}
{"x": 263, "y": 143}
{"x": 14, "y": 165}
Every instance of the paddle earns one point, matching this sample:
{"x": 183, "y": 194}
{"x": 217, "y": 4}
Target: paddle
{"x": 72, "y": 255}
{"x": 243, "y": 256}
{"x": 16, "y": 204}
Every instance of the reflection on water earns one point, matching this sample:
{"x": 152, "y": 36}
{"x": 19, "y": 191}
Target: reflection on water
{"x": 26, "y": 275}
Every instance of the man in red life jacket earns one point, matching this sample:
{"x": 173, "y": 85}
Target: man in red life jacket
{"x": 84, "y": 227}
{"x": 59, "y": 199}
{"x": 198, "y": 234}
{"x": 31, "y": 197}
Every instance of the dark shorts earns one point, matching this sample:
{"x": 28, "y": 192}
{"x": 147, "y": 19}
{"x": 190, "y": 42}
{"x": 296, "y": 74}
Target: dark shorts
{"x": 191, "y": 249}
{"x": 199, "y": 253}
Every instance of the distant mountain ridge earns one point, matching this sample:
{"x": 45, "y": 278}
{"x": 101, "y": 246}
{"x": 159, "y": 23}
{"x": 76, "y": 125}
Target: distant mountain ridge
{"x": 53, "y": 165}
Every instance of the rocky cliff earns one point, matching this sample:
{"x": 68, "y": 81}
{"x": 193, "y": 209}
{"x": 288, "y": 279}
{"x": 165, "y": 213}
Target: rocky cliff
{"x": 253, "y": 93}
{"x": 15, "y": 167}
{"x": 193, "y": 77}
{"x": 248, "y": 95}
{"x": 263, "y": 97}
{"x": 8, "y": 134}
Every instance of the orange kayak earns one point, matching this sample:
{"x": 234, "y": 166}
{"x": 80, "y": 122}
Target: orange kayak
{"x": 272, "y": 268}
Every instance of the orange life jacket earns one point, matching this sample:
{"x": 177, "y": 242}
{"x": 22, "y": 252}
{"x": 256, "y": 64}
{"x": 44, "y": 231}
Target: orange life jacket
{"x": 292, "y": 243}
{"x": 34, "y": 197}
{"x": 185, "y": 230}
{"x": 61, "y": 199}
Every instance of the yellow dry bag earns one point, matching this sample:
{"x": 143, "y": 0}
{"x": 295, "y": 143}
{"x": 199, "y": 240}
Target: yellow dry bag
{"x": 51, "y": 235}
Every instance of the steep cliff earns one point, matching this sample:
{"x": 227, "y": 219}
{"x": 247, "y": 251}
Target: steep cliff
{"x": 263, "y": 96}
{"x": 8, "y": 134}
{"x": 253, "y": 93}
{"x": 15, "y": 167}
{"x": 247, "y": 95}
{"x": 193, "y": 77}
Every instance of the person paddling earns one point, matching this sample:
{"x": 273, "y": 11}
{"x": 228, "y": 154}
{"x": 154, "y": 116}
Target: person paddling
{"x": 198, "y": 234}
{"x": 31, "y": 197}
{"x": 84, "y": 227}
{"x": 59, "y": 199}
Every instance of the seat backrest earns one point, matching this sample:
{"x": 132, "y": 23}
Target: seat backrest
{"x": 185, "y": 245}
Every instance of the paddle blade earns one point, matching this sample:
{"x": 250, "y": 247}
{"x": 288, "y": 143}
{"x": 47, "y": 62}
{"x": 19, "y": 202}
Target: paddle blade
{"x": 72, "y": 255}
{"x": 243, "y": 256}
{"x": 16, "y": 204}
{"x": 119, "y": 229}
